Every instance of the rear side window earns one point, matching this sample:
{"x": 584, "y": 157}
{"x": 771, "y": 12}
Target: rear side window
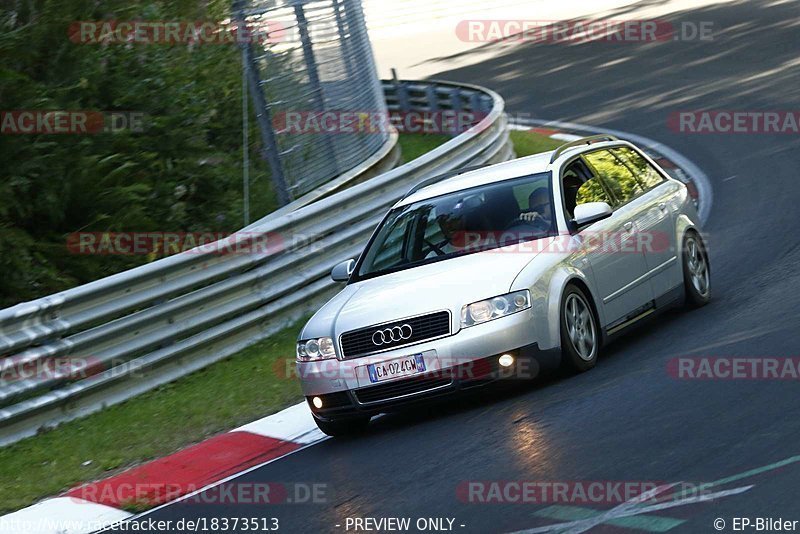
{"x": 646, "y": 173}
{"x": 616, "y": 174}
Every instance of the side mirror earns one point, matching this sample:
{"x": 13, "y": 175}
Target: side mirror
{"x": 342, "y": 271}
{"x": 592, "y": 212}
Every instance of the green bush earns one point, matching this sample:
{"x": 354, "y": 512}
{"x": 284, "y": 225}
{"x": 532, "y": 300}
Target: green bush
{"x": 182, "y": 172}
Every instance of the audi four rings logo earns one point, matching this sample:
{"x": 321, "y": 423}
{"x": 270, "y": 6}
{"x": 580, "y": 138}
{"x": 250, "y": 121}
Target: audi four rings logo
{"x": 390, "y": 335}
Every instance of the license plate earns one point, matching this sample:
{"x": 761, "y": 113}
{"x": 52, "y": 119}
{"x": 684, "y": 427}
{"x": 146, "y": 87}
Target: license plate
{"x": 410, "y": 365}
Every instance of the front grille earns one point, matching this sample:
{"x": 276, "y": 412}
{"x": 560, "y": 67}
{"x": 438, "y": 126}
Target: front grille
{"x": 400, "y": 388}
{"x": 359, "y": 342}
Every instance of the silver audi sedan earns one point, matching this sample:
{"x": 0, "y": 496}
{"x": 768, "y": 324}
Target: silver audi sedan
{"x": 502, "y": 272}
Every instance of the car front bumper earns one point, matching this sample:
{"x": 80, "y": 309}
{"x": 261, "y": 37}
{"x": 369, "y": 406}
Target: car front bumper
{"x": 467, "y": 359}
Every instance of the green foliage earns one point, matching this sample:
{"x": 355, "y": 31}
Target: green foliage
{"x": 182, "y": 172}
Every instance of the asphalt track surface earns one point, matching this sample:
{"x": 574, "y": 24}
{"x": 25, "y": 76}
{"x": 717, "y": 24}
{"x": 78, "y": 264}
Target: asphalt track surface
{"x": 626, "y": 420}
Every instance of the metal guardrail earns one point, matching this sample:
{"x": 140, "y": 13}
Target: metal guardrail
{"x": 122, "y": 335}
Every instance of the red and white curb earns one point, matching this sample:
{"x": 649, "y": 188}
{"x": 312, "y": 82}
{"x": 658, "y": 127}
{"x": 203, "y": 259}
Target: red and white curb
{"x": 93, "y": 506}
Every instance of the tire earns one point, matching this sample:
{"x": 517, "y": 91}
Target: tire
{"x": 696, "y": 271}
{"x": 343, "y": 427}
{"x": 578, "y": 322}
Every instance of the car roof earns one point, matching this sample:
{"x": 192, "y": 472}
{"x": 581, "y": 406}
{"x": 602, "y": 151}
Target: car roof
{"x": 486, "y": 175}
{"x": 507, "y": 170}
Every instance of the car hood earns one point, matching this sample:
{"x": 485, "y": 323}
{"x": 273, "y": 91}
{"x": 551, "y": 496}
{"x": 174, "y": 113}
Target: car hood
{"x": 444, "y": 285}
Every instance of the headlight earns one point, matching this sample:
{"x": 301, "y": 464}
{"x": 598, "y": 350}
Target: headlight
{"x": 500, "y": 306}
{"x": 315, "y": 349}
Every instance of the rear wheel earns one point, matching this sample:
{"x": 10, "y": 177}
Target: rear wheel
{"x": 580, "y": 335}
{"x": 696, "y": 271}
{"x": 343, "y": 427}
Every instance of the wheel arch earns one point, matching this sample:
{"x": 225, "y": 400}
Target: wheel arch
{"x": 684, "y": 225}
{"x": 558, "y": 285}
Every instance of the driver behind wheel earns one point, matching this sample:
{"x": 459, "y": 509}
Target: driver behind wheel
{"x": 538, "y": 207}
{"x": 453, "y": 222}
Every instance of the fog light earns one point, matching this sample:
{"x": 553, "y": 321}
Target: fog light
{"x": 506, "y": 360}
{"x": 317, "y": 402}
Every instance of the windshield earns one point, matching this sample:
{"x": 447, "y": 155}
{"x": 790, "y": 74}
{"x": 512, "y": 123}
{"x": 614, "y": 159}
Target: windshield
{"x": 463, "y": 222}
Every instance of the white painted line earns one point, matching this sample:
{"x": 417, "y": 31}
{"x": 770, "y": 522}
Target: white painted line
{"x": 292, "y": 424}
{"x": 61, "y": 515}
{"x": 565, "y": 137}
{"x": 629, "y": 509}
{"x": 700, "y": 178}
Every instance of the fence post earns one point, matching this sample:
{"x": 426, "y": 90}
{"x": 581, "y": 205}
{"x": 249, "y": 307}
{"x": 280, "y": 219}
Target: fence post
{"x": 269, "y": 150}
{"x": 313, "y": 76}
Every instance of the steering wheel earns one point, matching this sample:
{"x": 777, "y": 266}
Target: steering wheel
{"x": 538, "y": 223}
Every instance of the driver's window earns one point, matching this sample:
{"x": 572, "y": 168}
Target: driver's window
{"x": 591, "y": 191}
{"x": 580, "y": 186}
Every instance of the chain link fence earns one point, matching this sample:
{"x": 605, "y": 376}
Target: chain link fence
{"x": 312, "y": 79}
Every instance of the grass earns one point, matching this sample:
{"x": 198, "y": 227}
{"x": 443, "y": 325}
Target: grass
{"x": 227, "y": 394}
{"x": 415, "y": 145}
{"x": 527, "y": 143}
{"x": 248, "y": 385}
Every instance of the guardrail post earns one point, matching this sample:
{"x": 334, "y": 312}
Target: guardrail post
{"x": 456, "y": 105}
{"x": 401, "y": 91}
{"x": 475, "y": 102}
{"x": 433, "y": 99}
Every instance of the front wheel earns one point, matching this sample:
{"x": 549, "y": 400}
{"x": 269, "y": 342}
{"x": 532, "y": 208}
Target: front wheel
{"x": 696, "y": 271}
{"x": 343, "y": 427}
{"x": 580, "y": 336}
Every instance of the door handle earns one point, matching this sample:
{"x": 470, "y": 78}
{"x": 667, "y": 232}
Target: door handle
{"x": 628, "y": 226}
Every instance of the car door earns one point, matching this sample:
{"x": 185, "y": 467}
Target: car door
{"x": 618, "y": 263}
{"x": 657, "y": 222}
